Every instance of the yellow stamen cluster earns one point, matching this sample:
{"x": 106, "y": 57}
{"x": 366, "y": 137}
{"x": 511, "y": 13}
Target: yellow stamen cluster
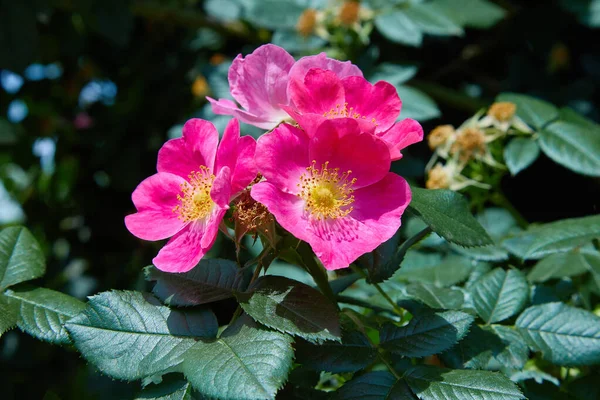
{"x": 307, "y": 22}
{"x": 345, "y": 112}
{"x": 194, "y": 201}
{"x": 468, "y": 142}
{"x": 328, "y": 194}
{"x": 251, "y": 214}
{"x": 438, "y": 178}
{"x": 502, "y": 111}
{"x": 349, "y": 12}
{"x": 439, "y": 136}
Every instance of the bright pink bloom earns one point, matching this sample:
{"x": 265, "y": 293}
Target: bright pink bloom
{"x": 331, "y": 188}
{"x": 191, "y": 192}
{"x": 322, "y": 95}
{"x": 259, "y": 83}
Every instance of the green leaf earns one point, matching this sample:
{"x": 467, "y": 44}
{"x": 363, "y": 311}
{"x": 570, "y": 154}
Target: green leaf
{"x": 431, "y": 18}
{"x": 370, "y": 386}
{"x": 534, "y": 112}
{"x": 246, "y": 362}
{"x": 447, "y": 213}
{"x": 541, "y": 240}
{"x": 436, "y": 297}
{"x": 493, "y": 347}
{"x": 291, "y": 307}
{"x": 354, "y": 353}
{"x": 43, "y": 313}
{"x": 574, "y": 146}
{"x": 561, "y": 265}
{"x": 500, "y": 294}
{"x": 426, "y": 334}
{"x": 483, "y": 253}
{"x": 564, "y": 335}
{"x": 520, "y": 153}
{"x": 21, "y": 258}
{"x": 472, "y": 13}
{"x": 8, "y": 314}
{"x": 431, "y": 268}
{"x": 399, "y": 28}
{"x": 416, "y": 104}
{"x": 442, "y": 384}
{"x": 211, "y": 280}
{"x": 129, "y": 335}
{"x": 498, "y": 222}
{"x": 587, "y": 11}
{"x": 169, "y": 389}
{"x": 396, "y": 74}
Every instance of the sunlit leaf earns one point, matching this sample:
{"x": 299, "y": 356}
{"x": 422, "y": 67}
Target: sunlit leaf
{"x": 564, "y": 335}
{"x": 520, "y": 153}
{"x": 129, "y": 335}
{"x": 500, "y": 294}
{"x": 43, "y": 313}
{"x": 21, "y": 258}
{"x": 245, "y": 362}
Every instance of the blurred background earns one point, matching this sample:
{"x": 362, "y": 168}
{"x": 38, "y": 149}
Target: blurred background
{"x": 90, "y": 90}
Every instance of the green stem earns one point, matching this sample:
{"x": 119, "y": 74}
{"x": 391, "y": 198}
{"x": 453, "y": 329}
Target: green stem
{"x": 383, "y": 358}
{"x": 360, "y": 303}
{"x": 397, "y": 309}
{"x": 410, "y": 242}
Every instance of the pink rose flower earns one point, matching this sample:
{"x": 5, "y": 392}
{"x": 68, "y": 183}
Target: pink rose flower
{"x": 191, "y": 192}
{"x": 321, "y": 94}
{"x": 331, "y": 188}
{"x": 259, "y": 83}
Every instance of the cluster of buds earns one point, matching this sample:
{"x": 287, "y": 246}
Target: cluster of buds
{"x": 348, "y": 14}
{"x": 470, "y": 143}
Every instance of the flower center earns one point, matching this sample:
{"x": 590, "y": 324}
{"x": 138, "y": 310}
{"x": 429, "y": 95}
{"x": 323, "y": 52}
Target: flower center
{"x": 195, "y": 202}
{"x": 328, "y": 194}
{"x": 345, "y": 112}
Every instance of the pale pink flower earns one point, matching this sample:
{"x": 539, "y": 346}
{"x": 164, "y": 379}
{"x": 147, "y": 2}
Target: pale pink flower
{"x": 320, "y": 95}
{"x": 331, "y": 188}
{"x": 191, "y": 192}
{"x": 259, "y": 83}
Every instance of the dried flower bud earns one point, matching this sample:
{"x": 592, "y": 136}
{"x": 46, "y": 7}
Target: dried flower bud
{"x": 439, "y": 136}
{"x": 468, "y": 142}
{"x": 502, "y": 111}
{"x": 252, "y": 217}
{"x": 349, "y": 12}
{"x": 307, "y": 22}
{"x": 438, "y": 178}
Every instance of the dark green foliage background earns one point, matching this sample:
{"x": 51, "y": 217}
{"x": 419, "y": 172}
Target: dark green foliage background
{"x": 147, "y": 49}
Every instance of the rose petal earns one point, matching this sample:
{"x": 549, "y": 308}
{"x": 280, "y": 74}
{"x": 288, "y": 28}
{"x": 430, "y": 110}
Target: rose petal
{"x": 319, "y": 92}
{"x": 282, "y": 156}
{"x": 379, "y": 102}
{"x": 237, "y": 153}
{"x": 259, "y": 81}
{"x": 340, "y": 68}
{"x": 196, "y": 148}
{"x": 402, "y": 134}
{"x": 228, "y": 107}
{"x": 155, "y": 198}
{"x": 340, "y": 142}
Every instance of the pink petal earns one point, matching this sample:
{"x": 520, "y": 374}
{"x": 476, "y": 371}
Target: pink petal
{"x": 196, "y": 148}
{"x": 228, "y": 107}
{"x": 187, "y": 247}
{"x": 381, "y": 205}
{"x": 319, "y": 92}
{"x": 340, "y": 142}
{"x": 379, "y": 102}
{"x": 401, "y": 135}
{"x": 259, "y": 81}
{"x": 237, "y": 153}
{"x": 340, "y": 68}
{"x": 220, "y": 192}
{"x": 308, "y": 122}
{"x": 155, "y": 198}
{"x": 282, "y": 156}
